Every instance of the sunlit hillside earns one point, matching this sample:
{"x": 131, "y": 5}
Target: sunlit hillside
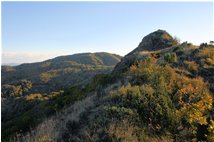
{"x": 161, "y": 91}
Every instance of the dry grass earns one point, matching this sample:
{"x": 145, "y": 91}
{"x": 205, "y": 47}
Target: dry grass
{"x": 127, "y": 132}
{"x": 123, "y": 131}
{"x": 50, "y": 129}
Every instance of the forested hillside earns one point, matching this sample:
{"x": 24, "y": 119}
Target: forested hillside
{"x": 54, "y": 74}
{"x": 161, "y": 91}
{"x": 31, "y": 92}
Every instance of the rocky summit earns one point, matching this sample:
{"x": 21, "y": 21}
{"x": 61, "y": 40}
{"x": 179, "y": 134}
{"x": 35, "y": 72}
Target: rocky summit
{"x": 157, "y": 40}
{"x": 154, "y": 41}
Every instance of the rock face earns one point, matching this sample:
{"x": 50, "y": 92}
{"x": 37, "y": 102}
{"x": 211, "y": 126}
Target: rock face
{"x": 157, "y": 40}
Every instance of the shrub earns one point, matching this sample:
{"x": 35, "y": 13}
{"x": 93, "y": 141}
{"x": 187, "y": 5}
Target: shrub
{"x": 193, "y": 102}
{"x": 16, "y": 89}
{"x": 170, "y": 57}
{"x": 159, "y": 77}
{"x": 179, "y": 50}
{"x": 153, "y": 108}
{"x": 203, "y": 45}
{"x": 191, "y": 66}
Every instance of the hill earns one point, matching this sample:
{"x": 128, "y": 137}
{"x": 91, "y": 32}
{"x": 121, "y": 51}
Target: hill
{"x": 155, "y": 41}
{"x": 161, "y": 91}
{"x": 58, "y": 73}
{"x": 31, "y": 92}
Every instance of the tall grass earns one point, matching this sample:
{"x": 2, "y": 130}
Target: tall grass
{"x": 51, "y": 129}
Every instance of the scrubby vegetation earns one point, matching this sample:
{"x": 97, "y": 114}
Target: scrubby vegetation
{"x": 164, "y": 94}
{"x": 58, "y": 73}
{"x": 32, "y": 92}
{"x": 156, "y": 104}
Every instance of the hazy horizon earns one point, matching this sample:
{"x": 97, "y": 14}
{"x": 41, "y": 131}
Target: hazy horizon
{"x": 36, "y": 31}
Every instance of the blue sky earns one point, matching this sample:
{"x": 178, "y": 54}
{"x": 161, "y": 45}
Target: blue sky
{"x": 35, "y": 31}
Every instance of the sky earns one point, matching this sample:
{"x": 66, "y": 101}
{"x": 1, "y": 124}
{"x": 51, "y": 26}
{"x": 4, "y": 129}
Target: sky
{"x": 36, "y": 31}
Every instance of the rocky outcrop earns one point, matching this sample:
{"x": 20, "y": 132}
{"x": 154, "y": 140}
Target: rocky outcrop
{"x": 157, "y": 40}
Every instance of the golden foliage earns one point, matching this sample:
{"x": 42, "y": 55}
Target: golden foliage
{"x": 191, "y": 65}
{"x": 194, "y": 100}
{"x": 211, "y": 131}
{"x": 207, "y": 55}
{"x": 155, "y": 74}
{"x": 34, "y": 96}
{"x": 42, "y": 97}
